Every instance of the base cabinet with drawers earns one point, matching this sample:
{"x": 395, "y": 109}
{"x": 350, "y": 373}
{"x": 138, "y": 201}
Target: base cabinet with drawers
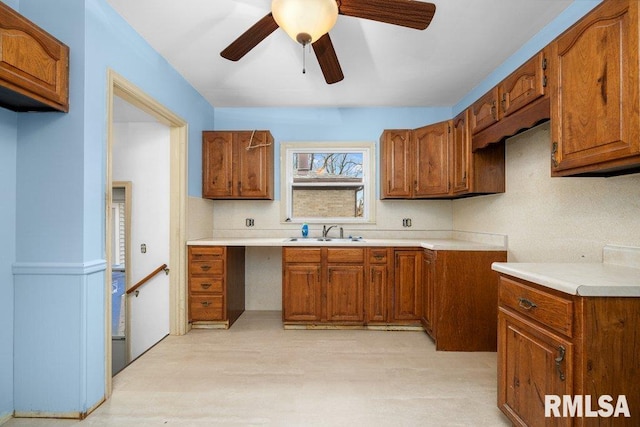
{"x": 552, "y": 343}
{"x": 216, "y": 285}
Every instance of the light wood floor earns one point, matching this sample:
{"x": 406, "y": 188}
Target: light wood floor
{"x": 258, "y": 374}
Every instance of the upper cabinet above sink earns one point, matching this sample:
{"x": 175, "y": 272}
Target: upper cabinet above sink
{"x": 34, "y": 66}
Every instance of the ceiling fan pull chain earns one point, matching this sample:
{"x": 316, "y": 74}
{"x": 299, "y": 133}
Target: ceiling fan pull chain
{"x": 304, "y": 63}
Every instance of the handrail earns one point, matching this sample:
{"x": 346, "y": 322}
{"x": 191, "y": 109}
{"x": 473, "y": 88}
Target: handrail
{"x": 146, "y": 279}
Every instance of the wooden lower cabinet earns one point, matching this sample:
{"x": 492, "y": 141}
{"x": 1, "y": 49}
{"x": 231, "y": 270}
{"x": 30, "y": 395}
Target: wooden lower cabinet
{"x": 407, "y": 286}
{"x": 216, "y": 285}
{"x": 552, "y": 343}
{"x": 460, "y": 299}
{"x": 351, "y": 286}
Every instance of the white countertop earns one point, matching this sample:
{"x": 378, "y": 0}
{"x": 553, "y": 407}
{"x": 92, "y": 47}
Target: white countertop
{"x": 585, "y": 279}
{"x": 434, "y": 244}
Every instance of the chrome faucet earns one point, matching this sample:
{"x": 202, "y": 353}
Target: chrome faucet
{"x": 325, "y": 230}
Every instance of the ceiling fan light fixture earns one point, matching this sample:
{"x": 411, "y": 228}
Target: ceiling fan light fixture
{"x": 305, "y": 21}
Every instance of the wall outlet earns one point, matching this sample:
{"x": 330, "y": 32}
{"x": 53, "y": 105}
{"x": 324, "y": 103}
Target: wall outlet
{"x": 406, "y": 222}
{"x": 249, "y": 222}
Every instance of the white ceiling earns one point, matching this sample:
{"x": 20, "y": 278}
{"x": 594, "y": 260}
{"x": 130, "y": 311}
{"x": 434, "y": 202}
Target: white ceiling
{"x": 383, "y": 65}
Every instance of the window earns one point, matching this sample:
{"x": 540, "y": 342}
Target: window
{"x": 327, "y": 182}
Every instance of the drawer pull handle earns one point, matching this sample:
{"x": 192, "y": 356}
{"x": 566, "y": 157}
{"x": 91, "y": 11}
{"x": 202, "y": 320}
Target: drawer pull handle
{"x": 205, "y": 303}
{"x": 205, "y": 268}
{"x": 205, "y": 285}
{"x": 378, "y": 257}
{"x": 559, "y": 360}
{"x": 526, "y": 304}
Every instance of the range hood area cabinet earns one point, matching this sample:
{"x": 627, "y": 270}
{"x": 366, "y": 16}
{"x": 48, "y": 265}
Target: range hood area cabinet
{"x": 595, "y": 107}
{"x": 437, "y": 161}
{"x": 34, "y": 66}
{"x": 237, "y": 165}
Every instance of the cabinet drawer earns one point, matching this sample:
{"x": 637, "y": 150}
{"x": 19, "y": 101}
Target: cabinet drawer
{"x": 345, "y": 255}
{"x": 206, "y": 252}
{"x": 302, "y": 255}
{"x": 206, "y": 285}
{"x": 552, "y": 311}
{"x": 207, "y": 307}
{"x": 209, "y": 267}
{"x": 377, "y": 256}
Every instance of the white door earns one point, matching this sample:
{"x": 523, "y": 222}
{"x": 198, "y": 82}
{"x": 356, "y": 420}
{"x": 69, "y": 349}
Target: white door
{"x": 140, "y": 155}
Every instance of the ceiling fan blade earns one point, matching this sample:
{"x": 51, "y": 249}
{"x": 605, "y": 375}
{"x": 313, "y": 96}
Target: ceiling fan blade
{"x": 328, "y": 59}
{"x": 250, "y": 38}
{"x": 406, "y": 13}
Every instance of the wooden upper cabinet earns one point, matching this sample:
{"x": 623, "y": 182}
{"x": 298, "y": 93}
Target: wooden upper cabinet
{"x": 594, "y": 109}
{"x": 34, "y": 66}
{"x": 415, "y": 163}
{"x": 461, "y": 153}
{"x": 237, "y": 165}
{"x": 396, "y": 165}
{"x": 484, "y": 112}
{"x": 431, "y": 160}
{"x": 523, "y": 86}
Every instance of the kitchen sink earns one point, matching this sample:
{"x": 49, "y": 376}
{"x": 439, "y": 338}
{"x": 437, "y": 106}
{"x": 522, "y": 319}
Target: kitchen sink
{"x": 326, "y": 239}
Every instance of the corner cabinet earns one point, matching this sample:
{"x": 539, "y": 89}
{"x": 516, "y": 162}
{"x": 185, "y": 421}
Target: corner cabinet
{"x": 34, "y": 66}
{"x": 216, "y": 286}
{"x": 552, "y": 343}
{"x": 595, "y": 117}
{"x": 237, "y": 165}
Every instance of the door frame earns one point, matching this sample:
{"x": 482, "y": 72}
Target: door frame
{"x": 178, "y": 129}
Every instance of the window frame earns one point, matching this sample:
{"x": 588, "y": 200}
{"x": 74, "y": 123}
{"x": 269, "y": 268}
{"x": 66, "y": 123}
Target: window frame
{"x": 287, "y": 149}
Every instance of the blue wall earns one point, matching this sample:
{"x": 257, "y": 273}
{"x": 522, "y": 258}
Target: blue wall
{"x": 53, "y": 168}
{"x": 8, "y": 153}
{"x": 59, "y": 283}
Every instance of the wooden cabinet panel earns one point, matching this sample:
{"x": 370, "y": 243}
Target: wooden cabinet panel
{"x": 254, "y": 165}
{"x": 217, "y": 164}
{"x": 432, "y": 160}
{"x": 595, "y": 90}
{"x": 461, "y": 154}
{"x": 396, "y": 166}
{"x": 407, "y": 299}
{"x": 428, "y": 293}
{"x": 532, "y": 363}
{"x": 345, "y": 255}
{"x": 237, "y": 165}
{"x": 377, "y": 294}
{"x": 345, "y": 288}
{"x": 523, "y": 86}
{"x": 484, "y": 112}
{"x": 302, "y": 293}
{"x": 34, "y": 66}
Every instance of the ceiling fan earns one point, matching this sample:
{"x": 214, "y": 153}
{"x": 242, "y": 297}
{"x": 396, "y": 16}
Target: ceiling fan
{"x": 308, "y": 22}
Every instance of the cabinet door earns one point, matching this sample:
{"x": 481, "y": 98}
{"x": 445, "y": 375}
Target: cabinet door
{"x": 407, "y": 298}
{"x": 594, "y": 105}
{"x": 523, "y": 86}
{"x": 301, "y": 293}
{"x": 461, "y": 153}
{"x": 432, "y": 160}
{"x": 532, "y": 363}
{"x": 217, "y": 162}
{"x": 33, "y": 64}
{"x": 484, "y": 112}
{"x": 254, "y": 151}
{"x": 428, "y": 293}
{"x": 396, "y": 164}
{"x": 377, "y": 294}
{"x": 345, "y": 293}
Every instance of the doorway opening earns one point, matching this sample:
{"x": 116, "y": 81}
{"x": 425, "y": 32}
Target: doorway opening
{"x": 120, "y": 89}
